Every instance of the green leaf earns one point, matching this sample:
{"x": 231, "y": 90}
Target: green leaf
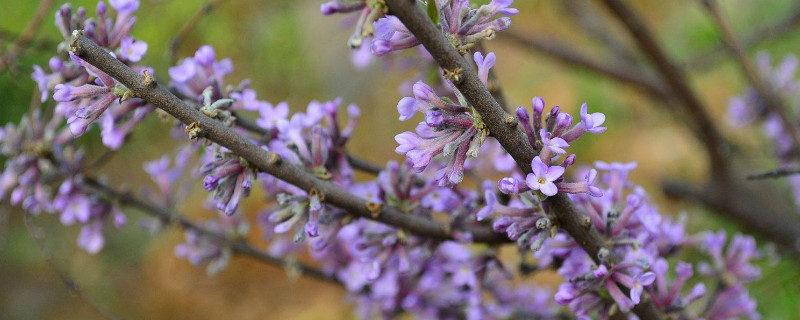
{"x": 433, "y": 11}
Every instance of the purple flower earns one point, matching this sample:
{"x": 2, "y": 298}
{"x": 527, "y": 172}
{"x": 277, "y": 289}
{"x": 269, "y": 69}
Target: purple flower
{"x": 125, "y": 6}
{"x": 463, "y": 25}
{"x": 555, "y": 145}
{"x": 510, "y": 185}
{"x": 484, "y": 65}
{"x": 336, "y": 6}
{"x": 229, "y": 181}
{"x": 592, "y": 121}
{"x": 132, "y": 50}
{"x": 542, "y": 177}
{"x": 91, "y": 238}
{"x": 502, "y": 7}
{"x": 272, "y": 117}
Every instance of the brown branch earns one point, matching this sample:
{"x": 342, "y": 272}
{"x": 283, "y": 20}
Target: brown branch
{"x": 363, "y": 165}
{"x": 674, "y": 76}
{"x": 571, "y": 56}
{"x": 772, "y": 100}
{"x": 510, "y": 137}
{"x": 596, "y": 26}
{"x": 777, "y": 173}
{"x": 261, "y": 159}
{"x": 754, "y": 208}
{"x": 711, "y": 57}
{"x": 356, "y": 162}
{"x": 25, "y": 38}
{"x": 168, "y": 217}
{"x": 187, "y": 28}
{"x": 72, "y": 285}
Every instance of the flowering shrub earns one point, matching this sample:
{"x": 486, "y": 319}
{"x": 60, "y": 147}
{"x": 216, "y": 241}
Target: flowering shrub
{"x": 417, "y": 238}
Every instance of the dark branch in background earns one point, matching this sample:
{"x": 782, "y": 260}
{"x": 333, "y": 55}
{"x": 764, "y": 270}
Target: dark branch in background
{"x": 175, "y": 42}
{"x": 712, "y": 57}
{"x": 261, "y": 159}
{"x": 35, "y": 44}
{"x": 754, "y": 210}
{"x": 70, "y": 283}
{"x": 363, "y": 165}
{"x": 510, "y": 137}
{"x": 772, "y": 100}
{"x": 168, "y": 217}
{"x": 777, "y": 173}
{"x": 571, "y": 56}
{"x": 674, "y": 77}
{"x": 8, "y": 59}
{"x": 584, "y": 13}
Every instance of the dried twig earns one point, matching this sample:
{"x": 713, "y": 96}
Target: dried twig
{"x": 8, "y": 59}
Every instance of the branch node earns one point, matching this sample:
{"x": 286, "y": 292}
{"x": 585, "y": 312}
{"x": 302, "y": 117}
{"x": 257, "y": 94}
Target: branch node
{"x": 148, "y": 81}
{"x": 452, "y": 75}
{"x": 275, "y": 159}
{"x": 194, "y": 130}
{"x": 315, "y": 193}
{"x": 586, "y": 222}
{"x": 374, "y": 209}
{"x": 510, "y": 121}
{"x": 74, "y": 45}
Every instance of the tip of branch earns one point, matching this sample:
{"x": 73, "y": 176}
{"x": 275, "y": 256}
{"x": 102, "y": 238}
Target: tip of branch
{"x": 374, "y": 209}
{"x": 74, "y": 44}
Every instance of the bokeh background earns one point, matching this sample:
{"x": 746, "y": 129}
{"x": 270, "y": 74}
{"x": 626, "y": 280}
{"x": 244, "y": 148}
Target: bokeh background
{"x": 293, "y": 53}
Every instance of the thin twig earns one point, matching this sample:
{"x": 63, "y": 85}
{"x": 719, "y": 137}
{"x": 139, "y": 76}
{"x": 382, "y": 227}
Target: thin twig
{"x": 510, "y": 137}
{"x": 595, "y": 25}
{"x": 363, "y": 165}
{"x": 772, "y": 100}
{"x": 755, "y": 208}
{"x": 187, "y": 28}
{"x": 169, "y": 217}
{"x": 10, "y": 57}
{"x": 711, "y": 57}
{"x": 263, "y": 160}
{"x": 777, "y": 173}
{"x": 102, "y": 159}
{"x": 571, "y": 56}
{"x": 715, "y": 144}
{"x": 356, "y": 162}
{"x": 72, "y": 285}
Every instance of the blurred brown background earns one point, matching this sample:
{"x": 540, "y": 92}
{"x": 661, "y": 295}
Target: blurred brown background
{"x": 293, "y": 53}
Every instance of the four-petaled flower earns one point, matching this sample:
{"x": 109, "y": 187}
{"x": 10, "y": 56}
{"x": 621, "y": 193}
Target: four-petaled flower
{"x": 542, "y": 177}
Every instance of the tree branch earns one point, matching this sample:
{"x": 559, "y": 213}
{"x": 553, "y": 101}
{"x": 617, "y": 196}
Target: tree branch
{"x": 714, "y": 142}
{"x": 261, "y": 159}
{"x": 712, "y": 57}
{"x": 756, "y": 209}
{"x": 772, "y": 100}
{"x": 571, "y": 56}
{"x": 175, "y": 42}
{"x": 510, "y": 137}
{"x": 777, "y": 173}
{"x": 25, "y": 38}
{"x": 169, "y": 217}
{"x": 72, "y": 285}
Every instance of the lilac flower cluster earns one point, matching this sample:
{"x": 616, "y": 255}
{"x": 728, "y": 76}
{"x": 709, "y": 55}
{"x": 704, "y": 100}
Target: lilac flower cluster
{"x": 462, "y": 25}
{"x": 83, "y": 92}
{"x": 41, "y": 155}
{"x": 454, "y": 131}
{"x": 387, "y": 271}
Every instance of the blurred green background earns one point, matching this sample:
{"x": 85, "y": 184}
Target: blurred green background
{"x": 292, "y": 53}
